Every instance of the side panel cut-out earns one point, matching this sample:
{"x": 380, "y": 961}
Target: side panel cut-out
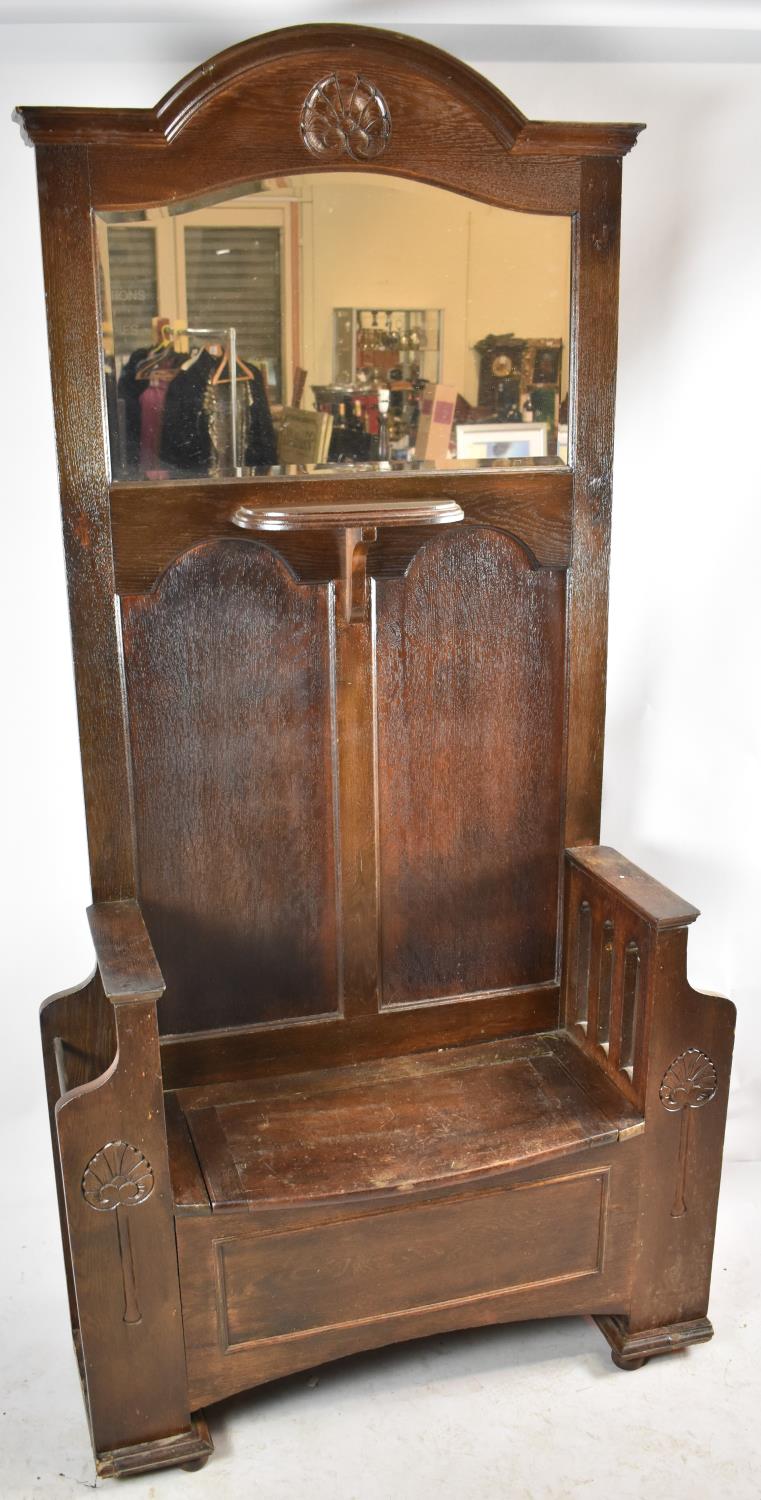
{"x": 228, "y": 684}
{"x": 583, "y": 956}
{"x": 630, "y": 1004}
{"x": 470, "y": 703}
{"x": 605, "y": 990}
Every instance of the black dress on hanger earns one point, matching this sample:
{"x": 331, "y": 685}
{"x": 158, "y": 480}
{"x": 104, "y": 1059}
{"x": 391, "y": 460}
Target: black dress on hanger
{"x": 185, "y": 441}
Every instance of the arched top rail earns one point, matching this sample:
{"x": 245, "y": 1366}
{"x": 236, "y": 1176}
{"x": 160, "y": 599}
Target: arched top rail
{"x": 271, "y": 72}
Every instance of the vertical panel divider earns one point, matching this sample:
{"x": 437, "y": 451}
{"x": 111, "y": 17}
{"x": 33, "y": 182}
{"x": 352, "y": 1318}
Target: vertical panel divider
{"x": 617, "y": 998}
{"x": 357, "y": 780}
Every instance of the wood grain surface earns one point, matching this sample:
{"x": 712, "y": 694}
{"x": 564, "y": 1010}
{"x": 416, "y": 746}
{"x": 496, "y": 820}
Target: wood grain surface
{"x": 388, "y": 1127}
{"x": 228, "y": 685}
{"x": 153, "y": 525}
{"x": 470, "y": 714}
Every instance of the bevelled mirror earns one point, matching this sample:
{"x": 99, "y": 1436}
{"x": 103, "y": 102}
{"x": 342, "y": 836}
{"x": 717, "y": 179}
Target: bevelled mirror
{"x": 326, "y": 319}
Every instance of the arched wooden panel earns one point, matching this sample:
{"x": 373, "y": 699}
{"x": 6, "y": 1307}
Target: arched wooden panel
{"x": 470, "y": 650}
{"x": 228, "y": 684}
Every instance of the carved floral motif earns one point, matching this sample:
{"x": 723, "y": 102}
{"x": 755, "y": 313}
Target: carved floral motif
{"x": 345, "y": 117}
{"x": 115, "y": 1179}
{"x": 117, "y": 1176}
{"x": 689, "y": 1082}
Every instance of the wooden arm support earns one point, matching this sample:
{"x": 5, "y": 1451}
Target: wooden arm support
{"x": 109, "y": 1137}
{"x": 628, "y": 1004}
{"x": 618, "y": 924}
{"x": 124, "y": 953}
{"x": 655, "y": 903}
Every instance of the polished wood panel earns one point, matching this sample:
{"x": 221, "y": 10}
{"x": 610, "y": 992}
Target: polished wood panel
{"x": 228, "y": 685}
{"x": 153, "y": 526}
{"x": 470, "y": 713}
{"x": 215, "y": 1370}
{"x": 251, "y": 1051}
{"x": 281, "y": 1285}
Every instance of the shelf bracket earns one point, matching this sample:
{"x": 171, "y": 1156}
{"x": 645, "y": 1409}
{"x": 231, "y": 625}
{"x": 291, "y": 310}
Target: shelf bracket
{"x": 355, "y": 542}
{"x": 355, "y": 525}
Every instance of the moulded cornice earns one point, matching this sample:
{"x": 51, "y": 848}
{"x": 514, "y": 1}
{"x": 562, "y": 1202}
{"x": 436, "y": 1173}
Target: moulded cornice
{"x": 229, "y": 72}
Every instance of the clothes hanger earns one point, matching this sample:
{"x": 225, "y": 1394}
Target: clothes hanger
{"x": 153, "y": 360}
{"x": 217, "y": 379}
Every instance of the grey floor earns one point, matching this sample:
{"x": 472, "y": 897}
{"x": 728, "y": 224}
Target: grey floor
{"x": 534, "y": 1410}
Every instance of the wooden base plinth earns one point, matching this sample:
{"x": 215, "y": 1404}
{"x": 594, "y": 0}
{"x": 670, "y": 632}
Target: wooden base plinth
{"x": 188, "y": 1450}
{"x": 629, "y": 1351}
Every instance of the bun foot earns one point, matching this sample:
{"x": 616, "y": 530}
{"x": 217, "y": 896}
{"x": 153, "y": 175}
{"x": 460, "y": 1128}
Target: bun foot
{"x": 627, "y": 1364}
{"x": 630, "y": 1351}
{"x": 186, "y": 1450}
{"x": 200, "y": 1463}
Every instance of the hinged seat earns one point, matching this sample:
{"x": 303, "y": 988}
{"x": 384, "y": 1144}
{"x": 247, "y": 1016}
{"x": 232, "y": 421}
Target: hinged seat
{"x": 392, "y": 1126}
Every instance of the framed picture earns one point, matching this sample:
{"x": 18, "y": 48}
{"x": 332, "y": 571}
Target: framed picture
{"x": 501, "y": 440}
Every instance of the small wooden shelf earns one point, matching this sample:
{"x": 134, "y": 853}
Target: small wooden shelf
{"x": 347, "y": 513}
{"x": 357, "y": 523}
{"x": 383, "y": 1127}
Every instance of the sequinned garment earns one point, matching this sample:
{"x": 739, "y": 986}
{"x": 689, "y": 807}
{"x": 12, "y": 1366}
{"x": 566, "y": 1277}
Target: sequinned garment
{"x": 218, "y": 408}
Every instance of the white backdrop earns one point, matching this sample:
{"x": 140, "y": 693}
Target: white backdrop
{"x": 682, "y": 764}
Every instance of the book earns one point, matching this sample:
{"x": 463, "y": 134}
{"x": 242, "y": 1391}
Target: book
{"x": 304, "y": 436}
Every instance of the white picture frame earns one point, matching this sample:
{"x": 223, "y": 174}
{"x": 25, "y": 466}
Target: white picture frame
{"x": 500, "y": 440}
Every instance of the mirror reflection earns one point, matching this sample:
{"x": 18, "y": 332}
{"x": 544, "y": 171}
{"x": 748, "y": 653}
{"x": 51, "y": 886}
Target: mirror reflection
{"x": 333, "y": 319}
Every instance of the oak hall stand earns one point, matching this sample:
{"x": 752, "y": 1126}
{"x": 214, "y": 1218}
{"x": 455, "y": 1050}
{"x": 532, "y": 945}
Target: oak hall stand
{"x": 380, "y": 1042}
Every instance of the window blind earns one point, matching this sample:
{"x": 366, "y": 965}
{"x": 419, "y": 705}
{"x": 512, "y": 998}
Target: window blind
{"x": 134, "y": 287}
{"x": 233, "y": 277}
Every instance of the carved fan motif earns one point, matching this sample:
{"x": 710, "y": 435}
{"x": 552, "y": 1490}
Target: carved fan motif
{"x": 115, "y": 1179}
{"x": 689, "y": 1082}
{"x": 345, "y": 116}
{"x": 117, "y": 1176}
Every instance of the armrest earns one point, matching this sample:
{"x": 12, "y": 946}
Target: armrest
{"x": 629, "y": 1006}
{"x": 625, "y": 996}
{"x": 659, "y": 906}
{"x": 124, "y": 953}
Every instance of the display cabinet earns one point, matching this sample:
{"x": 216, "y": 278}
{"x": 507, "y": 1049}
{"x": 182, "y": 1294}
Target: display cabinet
{"x": 380, "y": 1041}
{"x": 376, "y": 342}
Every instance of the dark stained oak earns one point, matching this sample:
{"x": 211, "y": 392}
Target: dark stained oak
{"x": 127, "y": 962}
{"x": 230, "y": 725}
{"x": 221, "y": 73}
{"x": 634, "y": 887}
{"x": 74, "y": 334}
{"x": 594, "y": 334}
{"x": 380, "y": 1042}
{"x": 556, "y": 1241}
{"x": 152, "y": 526}
{"x": 197, "y": 1058}
{"x": 346, "y": 513}
{"x": 470, "y": 650}
{"x": 387, "y": 1128}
